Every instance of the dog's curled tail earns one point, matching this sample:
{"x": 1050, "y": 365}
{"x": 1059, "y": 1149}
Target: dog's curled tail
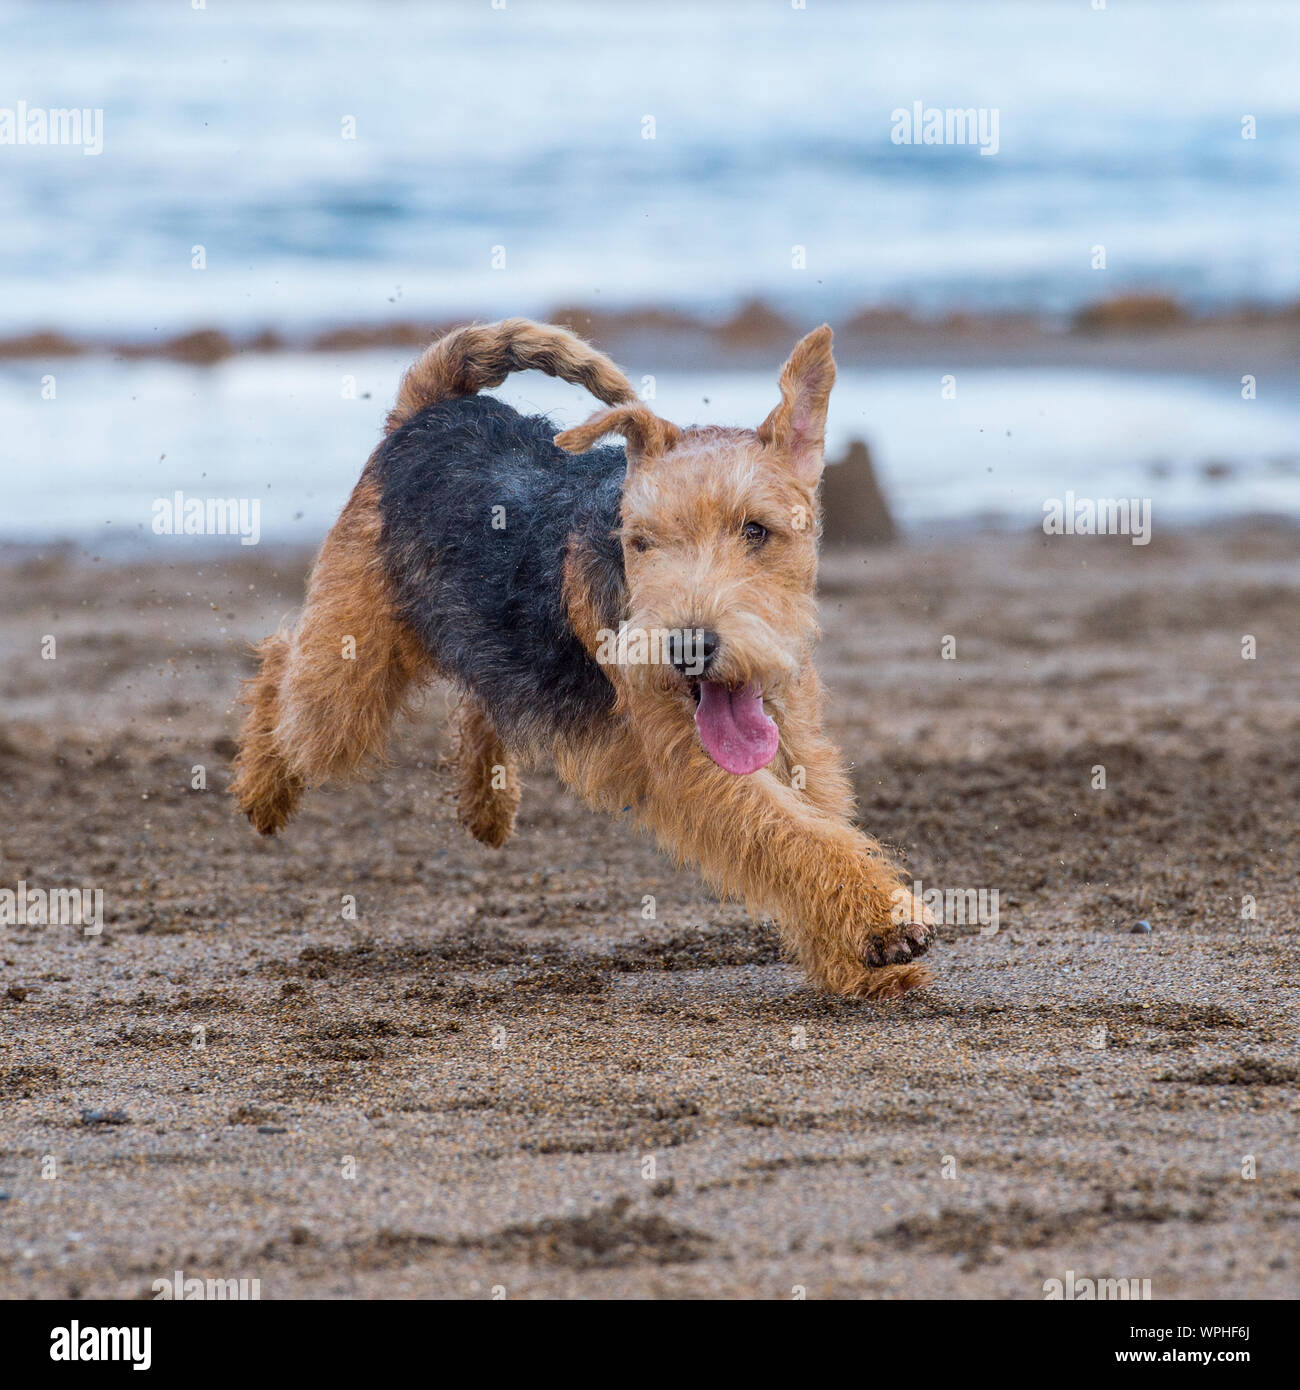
{"x": 482, "y": 355}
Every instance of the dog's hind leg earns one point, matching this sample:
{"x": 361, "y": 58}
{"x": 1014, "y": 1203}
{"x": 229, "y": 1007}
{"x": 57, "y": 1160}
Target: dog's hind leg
{"x": 267, "y": 791}
{"x": 327, "y": 692}
{"x": 487, "y": 780}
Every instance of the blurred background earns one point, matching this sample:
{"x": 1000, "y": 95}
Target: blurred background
{"x": 290, "y": 198}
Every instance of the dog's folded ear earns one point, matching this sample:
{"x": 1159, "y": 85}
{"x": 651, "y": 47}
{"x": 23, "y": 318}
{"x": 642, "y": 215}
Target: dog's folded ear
{"x": 796, "y": 428}
{"x": 647, "y": 435}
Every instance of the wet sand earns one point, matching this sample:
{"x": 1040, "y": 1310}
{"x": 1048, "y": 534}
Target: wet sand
{"x": 501, "y": 1075}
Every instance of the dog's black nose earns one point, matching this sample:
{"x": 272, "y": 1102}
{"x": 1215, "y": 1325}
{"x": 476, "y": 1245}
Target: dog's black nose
{"x": 692, "y": 650}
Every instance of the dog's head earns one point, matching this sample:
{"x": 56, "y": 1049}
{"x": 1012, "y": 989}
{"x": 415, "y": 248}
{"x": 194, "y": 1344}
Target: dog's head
{"x": 719, "y": 535}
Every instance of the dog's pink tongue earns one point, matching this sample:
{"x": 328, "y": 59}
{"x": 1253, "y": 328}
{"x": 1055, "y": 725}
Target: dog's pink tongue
{"x": 735, "y": 732}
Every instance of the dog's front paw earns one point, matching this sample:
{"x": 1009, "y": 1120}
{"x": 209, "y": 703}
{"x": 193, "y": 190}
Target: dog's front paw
{"x": 875, "y": 954}
{"x": 899, "y": 944}
{"x": 858, "y": 981}
{"x": 886, "y": 966}
{"x": 907, "y": 936}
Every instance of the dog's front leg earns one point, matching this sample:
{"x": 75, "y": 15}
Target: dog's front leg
{"x": 838, "y": 898}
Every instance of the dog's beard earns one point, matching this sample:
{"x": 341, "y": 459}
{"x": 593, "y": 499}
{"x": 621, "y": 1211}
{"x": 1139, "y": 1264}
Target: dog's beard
{"x": 727, "y": 704}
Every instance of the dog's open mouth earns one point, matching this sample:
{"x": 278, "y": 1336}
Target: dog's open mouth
{"x": 734, "y": 729}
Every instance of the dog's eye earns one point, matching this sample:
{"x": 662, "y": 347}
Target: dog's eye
{"x": 641, "y": 544}
{"x": 754, "y": 532}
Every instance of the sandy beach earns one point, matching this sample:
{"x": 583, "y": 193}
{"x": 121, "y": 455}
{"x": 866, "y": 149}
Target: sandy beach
{"x": 501, "y": 1076}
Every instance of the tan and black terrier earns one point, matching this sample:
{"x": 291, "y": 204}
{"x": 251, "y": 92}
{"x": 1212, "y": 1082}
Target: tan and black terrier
{"x": 642, "y": 620}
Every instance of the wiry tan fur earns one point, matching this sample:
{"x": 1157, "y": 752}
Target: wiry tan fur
{"x": 782, "y": 839}
{"x": 487, "y": 778}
